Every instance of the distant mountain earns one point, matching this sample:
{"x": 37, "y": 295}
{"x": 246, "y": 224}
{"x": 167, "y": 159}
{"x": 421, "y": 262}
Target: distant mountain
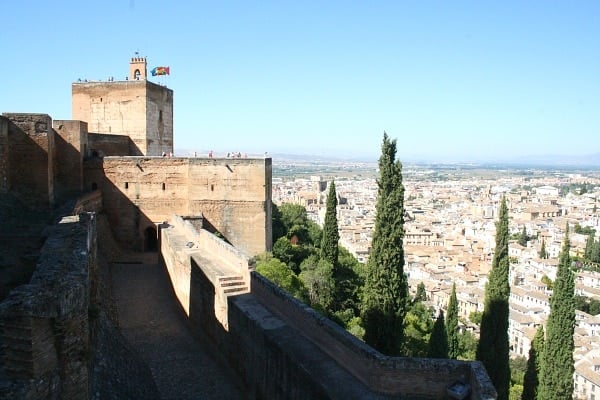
{"x": 583, "y": 160}
{"x": 588, "y": 160}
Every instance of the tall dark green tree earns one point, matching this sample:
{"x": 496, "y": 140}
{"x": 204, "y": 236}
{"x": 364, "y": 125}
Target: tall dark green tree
{"x": 421, "y": 294}
{"x": 532, "y": 373}
{"x": 556, "y": 377}
{"x": 589, "y": 247}
{"x": 385, "y": 295}
{"x": 493, "y": 340}
{"x": 523, "y": 237}
{"x": 543, "y": 252}
{"x": 452, "y": 326}
{"x": 438, "y": 341}
{"x": 331, "y": 235}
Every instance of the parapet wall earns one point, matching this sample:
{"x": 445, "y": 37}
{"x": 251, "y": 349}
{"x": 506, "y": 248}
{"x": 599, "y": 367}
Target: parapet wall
{"x": 282, "y": 349}
{"x": 389, "y": 375}
{"x": 44, "y": 324}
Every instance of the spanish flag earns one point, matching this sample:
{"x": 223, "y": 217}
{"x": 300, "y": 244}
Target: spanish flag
{"x": 160, "y": 71}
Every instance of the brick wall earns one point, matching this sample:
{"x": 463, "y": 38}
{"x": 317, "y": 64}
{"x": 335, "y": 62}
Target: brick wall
{"x": 31, "y": 152}
{"x": 44, "y": 324}
{"x": 71, "y": 146}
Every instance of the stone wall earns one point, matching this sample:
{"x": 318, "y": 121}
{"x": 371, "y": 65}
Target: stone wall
{"x": 44, "y": 324}
{"x": 232, "y": 196}
{"x": 71, "y": 147}
{"x": 4, "y": 166}
{"x": 389, "y": 375}
{"x": 282, "y": 349}
{"x": 31, "y": 158}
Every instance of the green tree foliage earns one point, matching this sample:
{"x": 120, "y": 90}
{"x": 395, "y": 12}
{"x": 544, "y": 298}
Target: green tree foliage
{"x": 475, "y": 317}
{"x": 518, "y": 365}
{"x": 438, "y": 341}
{"x": 279, "y": 273}
{"x": 317, "y": 277}
{"x": 587, "y": 305}
{"x": 331, "y": 235}
{"x": 291, "y": 255}
{"x": 523, "y": 238}
{"x": 547, "y": 281}
{"x": 349, "y": 280}
{"x": 532, "y": 373}
{"x": 417, "y": 330}
{"x": 493, "y": 342}
{"x": 291, "y": 215}
{"x": 556, "y": 376}
{"x": 384, "y": 303}
{"x": 589, "y": 247}
{"x": 543, "y": 253}
{"x": 278, "y": 229}
{"x": 588, "y": 230}
{"x": 595, "y": 257}
{"x": 468, "y": 345}
{"x": 421, "y": 294}
{"x": 452, "y": 325}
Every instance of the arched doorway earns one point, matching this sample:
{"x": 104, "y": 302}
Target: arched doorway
{"x": 150, "y": 239}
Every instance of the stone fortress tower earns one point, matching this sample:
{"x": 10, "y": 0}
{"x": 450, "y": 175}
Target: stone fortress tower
{"x": 134, "y": 107}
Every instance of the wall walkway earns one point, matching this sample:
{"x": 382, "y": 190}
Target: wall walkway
{"x": 155, "y": 325}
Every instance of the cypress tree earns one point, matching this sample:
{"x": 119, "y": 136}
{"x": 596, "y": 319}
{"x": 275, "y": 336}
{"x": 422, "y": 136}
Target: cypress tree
{"x": 385, "y": 296}
{"x": 543, "y": 253}
{"x": 421, "y": 294}
{"x": 532, "y": 373}
{"x": 523, "y": 237}
{"x": 452, "y": 326}
{"x": 595, "y": 254}
{"x": 438, "y": 341}
{"x": 589, "y": 247}
{"x": 493, "y": 340}
{"x": 331, "y": 235}
{"x": 556, "y": 377}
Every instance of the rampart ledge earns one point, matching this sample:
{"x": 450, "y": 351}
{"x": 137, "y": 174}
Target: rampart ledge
{"x": 44, "y": 324}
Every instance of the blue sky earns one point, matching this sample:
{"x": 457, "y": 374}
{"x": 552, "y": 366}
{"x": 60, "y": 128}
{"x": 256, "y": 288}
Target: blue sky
{"x": 451, "y": 80}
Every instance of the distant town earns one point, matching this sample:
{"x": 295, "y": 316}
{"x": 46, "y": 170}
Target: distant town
{"x": 450, "y": 215}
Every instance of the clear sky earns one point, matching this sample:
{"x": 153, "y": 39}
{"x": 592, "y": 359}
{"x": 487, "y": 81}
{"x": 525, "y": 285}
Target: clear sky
{"x": 451, "y": 80}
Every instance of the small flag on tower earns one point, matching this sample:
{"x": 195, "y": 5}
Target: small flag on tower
{"x": 160, "y": 71}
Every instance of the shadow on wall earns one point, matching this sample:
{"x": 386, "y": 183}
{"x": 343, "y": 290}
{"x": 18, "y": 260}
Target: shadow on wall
{"x": 28, "y": 167}
{"x": 136, "y": 231}
{"x": 68, "y": 170}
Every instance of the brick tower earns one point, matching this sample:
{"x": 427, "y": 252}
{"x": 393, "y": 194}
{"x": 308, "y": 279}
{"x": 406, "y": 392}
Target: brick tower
{"x": 134, "y": 107}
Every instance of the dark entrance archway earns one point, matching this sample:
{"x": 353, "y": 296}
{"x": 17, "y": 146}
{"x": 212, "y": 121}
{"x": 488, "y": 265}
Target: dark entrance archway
{"x": 150, "y": 239}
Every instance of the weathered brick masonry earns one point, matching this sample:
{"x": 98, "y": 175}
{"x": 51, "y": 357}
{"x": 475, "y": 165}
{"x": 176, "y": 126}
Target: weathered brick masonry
{"x": 44, "y": 324}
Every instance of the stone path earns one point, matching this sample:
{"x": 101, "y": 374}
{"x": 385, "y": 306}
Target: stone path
{"x": 154, "y": 324}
